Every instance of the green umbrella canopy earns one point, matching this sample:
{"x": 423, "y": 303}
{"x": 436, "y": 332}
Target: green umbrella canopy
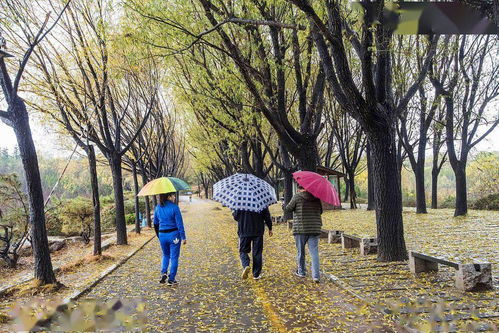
{"x": 179, "y": 184}
{"x": 163, "y": 185}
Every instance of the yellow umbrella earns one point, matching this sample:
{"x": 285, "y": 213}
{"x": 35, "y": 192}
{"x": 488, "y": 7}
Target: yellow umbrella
{"x": 163, "y": 185}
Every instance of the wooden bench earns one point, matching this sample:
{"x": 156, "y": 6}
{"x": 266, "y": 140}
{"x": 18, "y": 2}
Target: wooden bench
{"x": 366, "y": 245}
{"x": 324, "y": 233}
{"x": 277, "y": 219}
{"x": 469, "y": 277}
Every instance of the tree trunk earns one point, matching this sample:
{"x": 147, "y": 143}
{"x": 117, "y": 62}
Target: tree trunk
{"x": 117, "y": 173}
{"x": 387, "y": 195}
{"x": 94, "y": 182}
{"x": 154, "y": 201}
{"x": 258, "y": 161}
{"x": 43, "y": 264}
{"x": 245, "y": 164}
{"x": 288, "y": 192}
{"x": 435, "y": 169}
{"x": 353, "y": 194}
{"x": 148, "y": 204}
{"x": 136, "y": 198}
{"x": 370, "y": 185}
{"x": 288, "y": 177}
{"x": 308, "y": 157}
{"x": 206, "y": 190}
{"x": 461, "y": 193}
{"x": 347, "y": 189}
{"x": 434, "y": 186}
{"x": 420, "y": 189}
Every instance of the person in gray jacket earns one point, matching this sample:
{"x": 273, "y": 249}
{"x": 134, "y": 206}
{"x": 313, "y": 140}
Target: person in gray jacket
{"x": 307, "y": 224}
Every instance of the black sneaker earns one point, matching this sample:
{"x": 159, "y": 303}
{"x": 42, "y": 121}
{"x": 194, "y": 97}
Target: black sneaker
{"x": 299, "y": 275}
{"x": 172, "y": 283}
{"x": 163, "y": 278}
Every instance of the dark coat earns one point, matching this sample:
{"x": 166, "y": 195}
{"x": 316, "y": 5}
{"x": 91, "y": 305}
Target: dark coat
{"x": 252, "y": 224}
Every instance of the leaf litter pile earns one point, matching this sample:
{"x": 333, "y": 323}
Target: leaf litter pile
{"x": 429, "y": 302}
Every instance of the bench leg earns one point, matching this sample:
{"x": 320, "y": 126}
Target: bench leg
{"x": 367, "y": 246}
{"x": 334, "y": 236}
{"x": 418, "y": 265}
{"x": 473, "y": 277}
{"x": 348, "y": 243}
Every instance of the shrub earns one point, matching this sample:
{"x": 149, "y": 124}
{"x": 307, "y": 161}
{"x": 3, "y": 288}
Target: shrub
{"x": 129, "y": 206}
{"x": 449, "y": 202}
{"x": 130, "y": 218}
{"x": 489, "y": 202}
{"x": 14, "y": 218}
{"x": 77, "y": 217}
{"x": 53, "y": 223}
{"x": 130, "y": 203}
{"x": 108, "y": 216}
{"x": 409, "y": 199}
{"x": 106, "y": 200}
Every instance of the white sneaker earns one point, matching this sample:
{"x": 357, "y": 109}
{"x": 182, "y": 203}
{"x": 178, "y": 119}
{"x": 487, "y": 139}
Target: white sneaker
{"x": 257, "y": 277}
{"x": 317, "y": 280}
{"x": 246, "y": 271}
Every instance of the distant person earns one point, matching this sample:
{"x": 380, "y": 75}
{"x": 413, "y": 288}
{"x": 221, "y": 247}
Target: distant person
{"x": 169, "y": 228}
{"x": 250, "y": 229}
{"x": 190, "y": 197}
{"x": 307, "y": 224}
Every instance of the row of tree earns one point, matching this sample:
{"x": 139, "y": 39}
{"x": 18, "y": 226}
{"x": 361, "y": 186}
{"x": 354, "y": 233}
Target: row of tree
{"x": 271, "y": 86}
{"x": 96, "y": 86}
{"x": 278, "y": 86}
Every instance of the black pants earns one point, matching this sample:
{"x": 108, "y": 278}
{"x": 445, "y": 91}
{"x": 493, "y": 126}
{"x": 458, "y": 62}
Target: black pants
{"x": 256, "y": 245}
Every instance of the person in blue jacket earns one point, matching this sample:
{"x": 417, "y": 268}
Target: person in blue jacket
{"x": 169, "y": 228}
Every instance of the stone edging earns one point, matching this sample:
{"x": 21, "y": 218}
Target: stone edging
{"x": 40, "y": 325}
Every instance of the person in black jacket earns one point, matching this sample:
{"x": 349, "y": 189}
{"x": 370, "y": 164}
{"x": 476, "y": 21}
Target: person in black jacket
{"x": 250, "y": 228}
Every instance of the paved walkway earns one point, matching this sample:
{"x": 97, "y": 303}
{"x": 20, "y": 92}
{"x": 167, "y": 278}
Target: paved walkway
{"x": 212, "y": 297}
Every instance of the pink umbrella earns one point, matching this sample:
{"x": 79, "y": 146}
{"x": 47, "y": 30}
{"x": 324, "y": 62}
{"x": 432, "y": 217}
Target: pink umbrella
{"x": 318, "y": 186}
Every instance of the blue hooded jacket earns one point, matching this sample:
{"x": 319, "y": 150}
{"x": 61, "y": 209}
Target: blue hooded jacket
{"x": 169, "y": 217}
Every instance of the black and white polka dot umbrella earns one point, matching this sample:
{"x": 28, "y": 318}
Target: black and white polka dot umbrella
{"x": 244, "y": 192}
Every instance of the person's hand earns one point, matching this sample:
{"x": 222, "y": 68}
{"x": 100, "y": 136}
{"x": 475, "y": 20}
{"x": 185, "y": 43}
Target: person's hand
{"x": 184, "y": 242}
{"x": 271, "y": 233}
